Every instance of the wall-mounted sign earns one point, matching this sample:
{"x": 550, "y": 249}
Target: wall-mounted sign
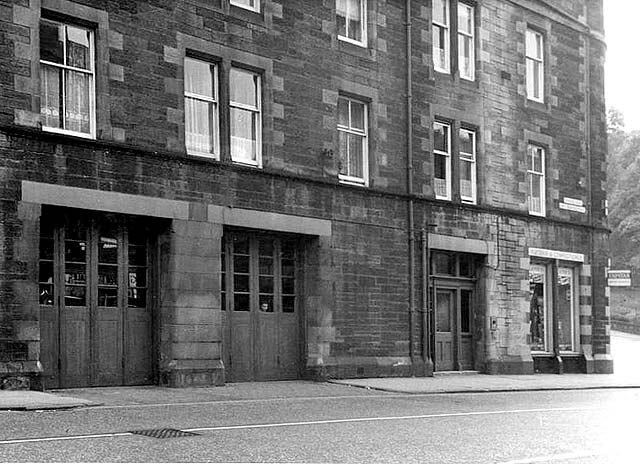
{"x": 619, "y": 278}
{"x": 555, "y": 254}
{"x": 573, "y": 204}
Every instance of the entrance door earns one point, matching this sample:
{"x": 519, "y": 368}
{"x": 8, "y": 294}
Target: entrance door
{"x": 453, "y": 337}
{"x": 261, "y": 307}
{"x": 95, "y": 318}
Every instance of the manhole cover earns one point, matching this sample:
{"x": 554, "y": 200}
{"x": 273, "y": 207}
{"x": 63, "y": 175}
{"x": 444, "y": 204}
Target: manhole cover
{"x": 163, "y": 433}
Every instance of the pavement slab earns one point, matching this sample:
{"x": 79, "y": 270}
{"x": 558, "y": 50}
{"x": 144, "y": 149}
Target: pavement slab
{"x": 33, "y": 400}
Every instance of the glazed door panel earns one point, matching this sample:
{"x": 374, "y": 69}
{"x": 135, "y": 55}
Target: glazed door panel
{"x": 95, "y": 320}
{"x": 445, "y": 304}
{"x": 466, "y": 330}
{"x": 259, "y": 298}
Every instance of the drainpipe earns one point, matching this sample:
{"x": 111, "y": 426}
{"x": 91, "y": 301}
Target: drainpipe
{"x": 410, "y": 219}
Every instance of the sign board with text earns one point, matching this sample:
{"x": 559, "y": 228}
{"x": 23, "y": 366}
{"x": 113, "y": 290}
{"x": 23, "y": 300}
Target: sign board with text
{"x": 620, "y": 278}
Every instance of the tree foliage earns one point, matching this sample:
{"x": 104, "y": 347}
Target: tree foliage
{"x": 623, "y": 186}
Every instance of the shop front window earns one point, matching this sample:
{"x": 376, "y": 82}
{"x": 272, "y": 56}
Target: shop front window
{"x": 565, "y": 309}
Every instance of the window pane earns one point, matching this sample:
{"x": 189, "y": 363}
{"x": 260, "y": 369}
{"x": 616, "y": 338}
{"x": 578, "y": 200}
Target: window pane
{"x": 241, "y": 246}
{"x": 243, "y": 135}
{"x": 357, "y": 116}
{"x": 343, "y": 150}
{"x": 465, "y": 311}
{"x": 266, "y": 284}
{"x": 78, "y": 47}
{"x": 288, "y": 285}
{"x": 241, "y": 283}
{"x": 75, "y": 251}
{"x": 343, "y": 112}
{"x": 251, "y": 4}
{"x": 537, "y": 279}
{"x": 50, "y": 96}
{"x": 137, "y": 255}
{"x": 265, "y": 247}
{"x": 440, "y": 11}
{"x": 75, "y": 296}
{"x": 466, "y": 142}
{"x": 75, "y": 274}
{"x": 443, "y": 311}
{"x": 77, "y": 113}
{"x": 266, "y": 303}
{"x": 266, "y": 266}
{"x": 288, "y": 249}
{"x": 198, "y": 125}
{"x": 108, "y": 297}
{"x": 440, "y": 47}
{"x": 288, "y": 304}
{"x": 467, "y": 265}
{"x": 108, "y": 250}
{"x": 46, "y": 248}
{"x": 45, "y": 272}
{"x": 466, "y": 179}
{"x": 341, "y": 17}
{"x": 198, "y": 77}
{"x": 107, "y": 275}
{"x": 51, "y": 42}
{"x": 441, "y": 137}
{"x": 444, "y": 263}
{"x": 465, "y": 18}
{"x": 241, "y": 264}
{"x": 243, "y": 87}
{"x": 355, "y": 156}
{"x": 288, "y": 268}
{"x": 440, "y": 175}
{"x": 137, "y": 297}
{"x": 240, "y": 302}
{"x": 46, "y": 294}
{"x": 465, "y": 56}
{"x": 565, "y": 309}
{"x": 138, "y": 277}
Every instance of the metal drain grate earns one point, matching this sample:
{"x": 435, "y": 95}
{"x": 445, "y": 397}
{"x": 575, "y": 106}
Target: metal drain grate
{"x": 163, "y": 433}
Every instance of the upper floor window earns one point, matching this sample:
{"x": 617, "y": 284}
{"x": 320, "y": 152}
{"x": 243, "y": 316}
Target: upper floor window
{"x": 441, "y": 40}
{"x": 467, "y": 147}
{"x": 245, "y": 116}
{"x": 352, "y": 141}
{"x": 351, "y": 19}
{"x": 536, "y": 181}
{"x": 535, "y": 65}
{"x": 466, "y": 41}
{"x": 442, "y": 160}
{"x": 253, "y": 5}
{"x": 201, "y": 108}
{"x": 67, "y": 78}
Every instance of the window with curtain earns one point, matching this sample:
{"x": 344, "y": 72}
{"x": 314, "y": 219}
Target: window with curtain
{"x": 466, "y": 42}
{"x": 350, "y": 17}
{"x": 536, "y": 174}
{"x": 201, "y": 108}
{"x": 245, "y": 116}
{"x": 442, "y": 160}
{"x": 535, "y": 65}
{"x": 352, "y": 141}
{"x": 67, "y": 76}
{"x": 467, "y": 149}
{"x": 441, "y": 40}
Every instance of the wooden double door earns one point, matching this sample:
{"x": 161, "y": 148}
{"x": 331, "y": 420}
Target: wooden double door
{"x": 261, "y": 307}
{"x": 95, "y": 312}
{"x": 454, "y": 313}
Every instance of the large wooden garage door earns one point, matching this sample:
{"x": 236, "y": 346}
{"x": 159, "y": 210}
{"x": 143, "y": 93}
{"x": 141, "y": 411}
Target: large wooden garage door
{"x": 261, "y": 310}
{"x": 94, "y": 301}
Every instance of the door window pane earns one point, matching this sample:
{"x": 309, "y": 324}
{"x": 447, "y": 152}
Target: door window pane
{"x": 266, "y": 303}
{"x": 108, "y": 250}
{"x": 443, "y": 311}
{"x": 465, "y": 310}
{"x": 565, "y": 307}
{"x": 288, "y": 304}
{"x": 241, "y": 302}
{"x": 537, "y": 310}
{"x": 108, "y": 297}
{"x": 137, "y": 297}
{"x": 75, "y": 296}
{"x": 444, "y": 263}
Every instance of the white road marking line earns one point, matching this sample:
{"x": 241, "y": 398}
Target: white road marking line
{"x": 305, "y": 423}
{"x": 382, "y": 418}
{"x": 555, "y": 457}
{"x": 71, "y": 437}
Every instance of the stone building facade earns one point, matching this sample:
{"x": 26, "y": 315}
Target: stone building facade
{"x": 201, "y": 191}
